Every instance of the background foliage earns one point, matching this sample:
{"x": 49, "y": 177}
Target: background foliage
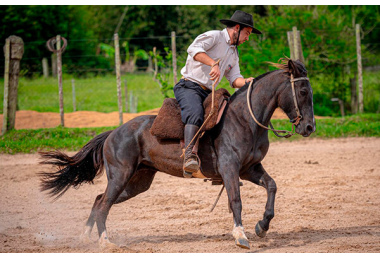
{"x": 327, "y": 34}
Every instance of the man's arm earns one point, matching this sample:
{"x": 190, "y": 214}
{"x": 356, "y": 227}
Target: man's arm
{"x": 205, "y": 59}
{"x": 239, "y": 82}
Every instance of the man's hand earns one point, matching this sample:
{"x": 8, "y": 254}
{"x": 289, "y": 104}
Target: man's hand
{"x": 205, "y": 59}
{"x": 249, "y": 79}
{"x": 215, "y": 73}
{"x": 239, "y": 82}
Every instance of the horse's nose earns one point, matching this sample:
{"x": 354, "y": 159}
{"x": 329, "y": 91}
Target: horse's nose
{"x": 309, "y": 128}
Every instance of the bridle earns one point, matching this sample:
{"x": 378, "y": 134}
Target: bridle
{"x": 295, "y": 121}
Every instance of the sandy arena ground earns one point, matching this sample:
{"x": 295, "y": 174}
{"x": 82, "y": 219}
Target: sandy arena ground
{"x": 328, "y": 200}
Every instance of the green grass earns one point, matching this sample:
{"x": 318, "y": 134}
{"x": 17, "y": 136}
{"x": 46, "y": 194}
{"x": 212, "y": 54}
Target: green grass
{"x": 30, "y": 141}
{"x": 92, "y": 94}
{"x": 100, "y": 93}
{"x": 72, "y": 139}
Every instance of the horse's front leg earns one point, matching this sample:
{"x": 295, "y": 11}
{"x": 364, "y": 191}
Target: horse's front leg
{"x": 259, "y": 176}
{"x": 231, "y": 182}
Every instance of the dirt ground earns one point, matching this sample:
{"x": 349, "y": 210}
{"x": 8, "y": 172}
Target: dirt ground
{"x": 328, "y": 200}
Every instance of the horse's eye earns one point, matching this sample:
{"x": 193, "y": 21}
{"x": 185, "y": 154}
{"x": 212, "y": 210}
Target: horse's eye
{"x": 303, "y": 93}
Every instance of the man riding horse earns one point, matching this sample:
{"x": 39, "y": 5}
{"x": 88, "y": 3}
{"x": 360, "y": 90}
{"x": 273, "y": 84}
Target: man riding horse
{"x": 212, "y": 55}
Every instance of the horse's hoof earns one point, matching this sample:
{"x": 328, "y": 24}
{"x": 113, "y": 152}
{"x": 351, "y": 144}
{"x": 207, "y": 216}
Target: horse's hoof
{"x": 85, "y": 239}
{"x": 106, "y": 245}
{"x": 187, "y": 174}
{"x": 260, "y": 232}
{"x": 243, "y": 243}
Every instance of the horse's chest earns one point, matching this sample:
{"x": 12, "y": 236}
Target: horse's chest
{"x": 256, "y": 155}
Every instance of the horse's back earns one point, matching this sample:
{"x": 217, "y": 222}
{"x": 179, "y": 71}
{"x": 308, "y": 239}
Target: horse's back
{"x": 125, "y": 138}
{"x": 133, "y": 142}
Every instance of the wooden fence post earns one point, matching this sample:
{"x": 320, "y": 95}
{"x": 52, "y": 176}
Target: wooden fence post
{"x": 291, "y": 44}
{"x": 354, "y": 95}
{"x": 131, "y": 101}
{"x": 59, "y": 72}
{"x": 155, "y": 63}
{"x": 74, "y": 99}
{"x": 14, "y": 49}
{"x": 54, "y": 65}
{"x": 360, "y": 75}
{"x": 118, "y": 77}
{"x": 174, "y": 56}
{"x": 6, "y": 86}
{"x": 45, "y": 67}
{"x": 126, "y": 95}
{"x": 295, "y": 46}
{"x": 135, "y": 103}
{"x": 58, "y": 50}
{"x": 150, "y": 65}
{"x": 341, "y": 105}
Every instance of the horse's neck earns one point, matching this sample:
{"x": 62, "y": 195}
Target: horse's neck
{"x": 263, "y": 102}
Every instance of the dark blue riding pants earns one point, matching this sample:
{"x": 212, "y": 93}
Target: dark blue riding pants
{"x": 190, "y": 97}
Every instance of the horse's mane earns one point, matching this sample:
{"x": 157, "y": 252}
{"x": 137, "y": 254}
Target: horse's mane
{"x": 245, "y": 87}
{"x": 281, "y": 65}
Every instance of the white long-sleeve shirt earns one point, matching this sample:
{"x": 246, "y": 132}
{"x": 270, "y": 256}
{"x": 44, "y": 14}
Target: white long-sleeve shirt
{"x": 216, "y": 44}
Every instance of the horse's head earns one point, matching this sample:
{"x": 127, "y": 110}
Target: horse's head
{"x": 301, "y": 97}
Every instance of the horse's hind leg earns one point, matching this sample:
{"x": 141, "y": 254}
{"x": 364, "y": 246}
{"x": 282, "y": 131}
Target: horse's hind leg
{"x": 259, "y": 176}
{"x": 139, "y": 183}
{"x": 118, "y": 177}
{"x": 85, "y": 237}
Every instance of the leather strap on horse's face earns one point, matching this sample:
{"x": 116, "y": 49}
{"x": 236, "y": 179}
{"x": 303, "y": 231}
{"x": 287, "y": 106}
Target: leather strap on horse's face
{"x": 294, "y": 121}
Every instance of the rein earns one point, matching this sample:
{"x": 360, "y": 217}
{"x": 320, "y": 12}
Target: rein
{"x": 294, "y": 121}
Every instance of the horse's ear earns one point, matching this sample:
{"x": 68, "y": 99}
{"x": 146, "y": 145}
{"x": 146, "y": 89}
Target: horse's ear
{"x": 293, "y": 68}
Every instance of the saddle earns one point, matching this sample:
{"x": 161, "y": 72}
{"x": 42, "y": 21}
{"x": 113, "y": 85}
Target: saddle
{"x": 168, "y": 123}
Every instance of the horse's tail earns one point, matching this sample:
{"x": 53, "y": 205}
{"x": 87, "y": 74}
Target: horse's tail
{"x": 73, "y": 171}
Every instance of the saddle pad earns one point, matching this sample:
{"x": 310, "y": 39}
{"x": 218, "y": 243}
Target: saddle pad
{"x": 168, "y": 123}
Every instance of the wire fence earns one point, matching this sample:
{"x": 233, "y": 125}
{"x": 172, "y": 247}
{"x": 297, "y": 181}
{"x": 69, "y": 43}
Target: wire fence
{"x": 101, "y": 63}
{"x": 78, "y": 64}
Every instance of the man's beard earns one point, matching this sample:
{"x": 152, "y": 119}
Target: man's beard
{"x": 235, "y": 38}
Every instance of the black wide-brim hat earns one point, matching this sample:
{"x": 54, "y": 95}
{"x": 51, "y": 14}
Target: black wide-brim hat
{"x": 242, "y": 18}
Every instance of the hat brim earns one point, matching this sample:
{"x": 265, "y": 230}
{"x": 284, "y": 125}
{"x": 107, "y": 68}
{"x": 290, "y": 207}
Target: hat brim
{"x": 231, "y": 22}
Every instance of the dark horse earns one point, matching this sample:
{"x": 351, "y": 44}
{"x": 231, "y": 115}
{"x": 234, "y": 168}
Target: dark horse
{"x": 233, "y": 149}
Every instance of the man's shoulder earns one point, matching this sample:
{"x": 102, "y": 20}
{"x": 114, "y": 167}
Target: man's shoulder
{"x": 214, "y": 32}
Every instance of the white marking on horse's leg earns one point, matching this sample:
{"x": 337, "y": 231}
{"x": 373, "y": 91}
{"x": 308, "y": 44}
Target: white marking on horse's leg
{"x": 238, "y": 232}
{"x": 85, "y": 237}
{"x": 105, "y": 243}
{"x": 240, "y": 237}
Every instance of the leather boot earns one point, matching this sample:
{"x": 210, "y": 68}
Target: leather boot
{"x": 190, "y": 164}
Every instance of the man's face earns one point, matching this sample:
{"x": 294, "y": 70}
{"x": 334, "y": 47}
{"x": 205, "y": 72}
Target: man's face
{"x": 244, "y": 34}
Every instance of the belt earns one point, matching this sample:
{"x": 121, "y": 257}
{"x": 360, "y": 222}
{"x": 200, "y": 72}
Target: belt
{"x": 203, "y": 87}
